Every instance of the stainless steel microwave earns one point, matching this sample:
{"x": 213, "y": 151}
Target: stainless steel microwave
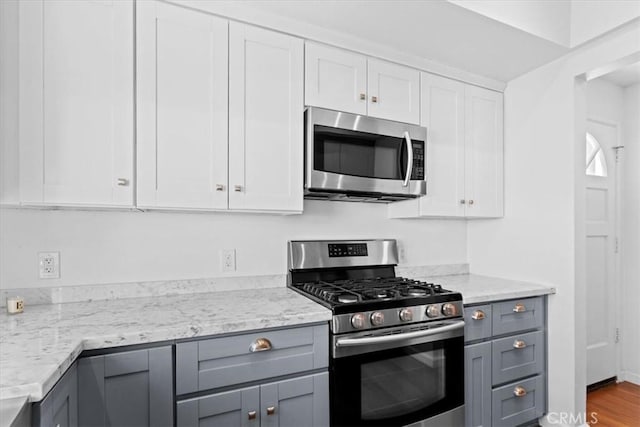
{"x": 358, "y": 158}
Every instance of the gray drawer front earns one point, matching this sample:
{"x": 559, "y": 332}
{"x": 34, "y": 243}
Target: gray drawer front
{"x": 475, "y": 329}
{"x": 510, "y": 410}
{"x": 510, "y": 363}
{"x": 506, "y": 320}
{"x": 219, "y": 362}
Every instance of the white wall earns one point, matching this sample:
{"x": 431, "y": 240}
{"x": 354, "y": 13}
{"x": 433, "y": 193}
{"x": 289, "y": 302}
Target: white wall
{"x": 591, "y": 18}
{"x": 546, "y": 19}
{"x": 544, "y": 167}
{"x": 110, "y": 247}
{"x": 630, "y": 235}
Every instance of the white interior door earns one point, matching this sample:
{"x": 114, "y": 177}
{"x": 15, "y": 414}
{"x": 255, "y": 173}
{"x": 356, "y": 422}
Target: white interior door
{"x": 600, "y": 251}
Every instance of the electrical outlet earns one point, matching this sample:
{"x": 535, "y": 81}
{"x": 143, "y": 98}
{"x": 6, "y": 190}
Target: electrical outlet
{"x": 228, "y": 259}
{"x": 49, "y": 265}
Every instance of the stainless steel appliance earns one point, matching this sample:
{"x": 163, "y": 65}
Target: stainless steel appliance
{"x": 397, "y": 345}
{"x": 359, "y": 158}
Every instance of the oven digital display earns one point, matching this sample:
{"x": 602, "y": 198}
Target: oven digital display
{"x": 347, "y": 249}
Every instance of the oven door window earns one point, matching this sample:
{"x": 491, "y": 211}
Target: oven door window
{"x": 348, "y": 152}
{"x": 398, "y": 386}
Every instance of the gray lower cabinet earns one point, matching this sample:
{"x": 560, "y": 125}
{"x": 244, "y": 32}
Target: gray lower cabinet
{"x": 266, "y": 378}
{"x": 59, "y": 408}
{"x": 296, "y": 402}
{"x": 477, "y": 392}
{"x": 132, "y": 388}
{"x": 505, "y": 369}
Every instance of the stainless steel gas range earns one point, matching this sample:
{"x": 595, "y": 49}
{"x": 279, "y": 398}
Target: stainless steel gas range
{"x": 397, "y": 344}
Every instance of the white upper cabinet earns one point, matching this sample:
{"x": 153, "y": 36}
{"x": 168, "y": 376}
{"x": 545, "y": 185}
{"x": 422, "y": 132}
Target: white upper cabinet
{"x": 182, "y": 84}
{"x": 76, "y": 62}
{"x": 345, "y": 81}
{"x": 266, "y": 107}
{"x": 464, "y": 162}
{"x": 394, "y": 92}
{"x": 335, "y": 79}
{"x": 484, "y": 145}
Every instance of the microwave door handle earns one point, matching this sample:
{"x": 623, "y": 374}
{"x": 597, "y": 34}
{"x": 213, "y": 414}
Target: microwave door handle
{"x": 407, "y": 140}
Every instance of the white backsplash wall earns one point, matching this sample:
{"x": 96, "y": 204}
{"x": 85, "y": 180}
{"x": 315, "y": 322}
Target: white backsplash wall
{"x": 110, "y": 247}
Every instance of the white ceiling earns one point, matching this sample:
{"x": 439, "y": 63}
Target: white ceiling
{"x": 626, "y": 76}
{"x": 433, "y": 29}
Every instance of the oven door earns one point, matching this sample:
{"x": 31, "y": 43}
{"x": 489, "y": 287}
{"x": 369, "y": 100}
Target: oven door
{"x": 396, "y": 378}
{"x": 352, "y": 153}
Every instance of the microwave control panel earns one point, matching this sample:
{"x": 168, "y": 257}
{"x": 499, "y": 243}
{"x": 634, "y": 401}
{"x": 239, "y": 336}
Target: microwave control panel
{"x": 418, "y": 161}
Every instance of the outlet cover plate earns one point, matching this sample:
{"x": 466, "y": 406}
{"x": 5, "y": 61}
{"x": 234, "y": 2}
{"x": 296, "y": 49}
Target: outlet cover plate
{"x": 49, "y": 265}
{"x": 228, "y": 260}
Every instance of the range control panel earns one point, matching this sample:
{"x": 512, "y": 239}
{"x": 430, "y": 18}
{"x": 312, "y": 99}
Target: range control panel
{"x": 347, "y": 249}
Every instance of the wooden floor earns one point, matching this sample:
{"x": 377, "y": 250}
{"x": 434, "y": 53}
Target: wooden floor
{"x": 614, "y": 405}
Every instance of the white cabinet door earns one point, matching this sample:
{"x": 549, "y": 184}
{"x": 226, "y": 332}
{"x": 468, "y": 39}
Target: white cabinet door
{"x": 484, "y": 152}
{"x": 265, "y": 120}
{"x": 182, "y": 107}
{"x": 443, "y": 116}
{"x": 335, "y": 79}
{"x": 394, "y": 92}
{"x": 76, "y": 102}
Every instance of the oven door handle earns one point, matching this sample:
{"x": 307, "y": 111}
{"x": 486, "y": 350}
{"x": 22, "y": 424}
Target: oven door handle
{"x": 407, "y": 177}
{"x": 349, "y": 342}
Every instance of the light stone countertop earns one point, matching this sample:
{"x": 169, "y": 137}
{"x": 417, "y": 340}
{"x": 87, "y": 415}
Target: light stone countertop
{"x": 477, "y": 289}
{"x": 38, "y": 346}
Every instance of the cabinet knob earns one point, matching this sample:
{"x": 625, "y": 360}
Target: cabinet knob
{"x": 519, "y": 344}
{"x": 478, "y": 315}
{"x": 271, "y": 410}
{"x": 463, "y": 201}
{"x": 123, "y": 182}
{"x": 237, "y": 188}
{"x": 252, "y": 415}
{"x": 519, "y": 308}
{"x": 219, "y": 187}
{"x": 374, "y": 99}
{"x": 519, "y": 391}
{"x": 261, "y": 344}
{"x": 363, "y": 96}
{"x": 471, "y": 201}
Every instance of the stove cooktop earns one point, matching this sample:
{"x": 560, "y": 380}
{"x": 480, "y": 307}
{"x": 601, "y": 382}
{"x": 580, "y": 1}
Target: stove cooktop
{"x": 346, "y": 296}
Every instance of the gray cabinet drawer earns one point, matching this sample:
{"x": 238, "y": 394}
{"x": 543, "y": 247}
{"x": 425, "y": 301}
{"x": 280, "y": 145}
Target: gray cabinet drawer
{"x": 517, "y": 315}
{"x": 508, "y": 409}
{"x": 510, "y": 362}
{"x": 477, "y": 322}
{"x": 219, "y": 362}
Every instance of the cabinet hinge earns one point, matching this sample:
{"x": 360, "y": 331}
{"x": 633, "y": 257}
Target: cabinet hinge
{"x": 617, "y": 335}
{"x": 616, "y": 245}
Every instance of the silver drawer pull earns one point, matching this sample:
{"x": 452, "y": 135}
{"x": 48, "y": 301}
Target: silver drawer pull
{"x": 271, "y": 410}
{"x": 478, "y": 315}
{"x": 261, "y": 344}
{"x": 123, "y": 182}
{"x": 252, "y": 415}
{"x": 519, "y": 391}
{"x": 519, "y": 344}
{"x": 519, "y": 308}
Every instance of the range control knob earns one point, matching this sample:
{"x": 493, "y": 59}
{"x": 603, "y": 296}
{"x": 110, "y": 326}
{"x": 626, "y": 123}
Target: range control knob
{"x": 406, "y": 315}
{"x": 433, "y": 311}
{"x": 358, "y": 321}
{"x": 377, "y": 318}
{"x": 449, "y": 309}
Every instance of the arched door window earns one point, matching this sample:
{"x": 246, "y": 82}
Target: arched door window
{"x": 596, "y": 163}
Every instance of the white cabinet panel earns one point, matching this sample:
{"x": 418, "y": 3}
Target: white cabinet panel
{"x": 76, "y": 102}
{"x": 265, "y": 120}
{"x": 464, "y": 152}
{"x": 335, "y": 79}
{"x": 443, "y": 116}
{"x": 182, "y": 108}
{"x": 394, "y": 92}
{"x": 484, "y": 152}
